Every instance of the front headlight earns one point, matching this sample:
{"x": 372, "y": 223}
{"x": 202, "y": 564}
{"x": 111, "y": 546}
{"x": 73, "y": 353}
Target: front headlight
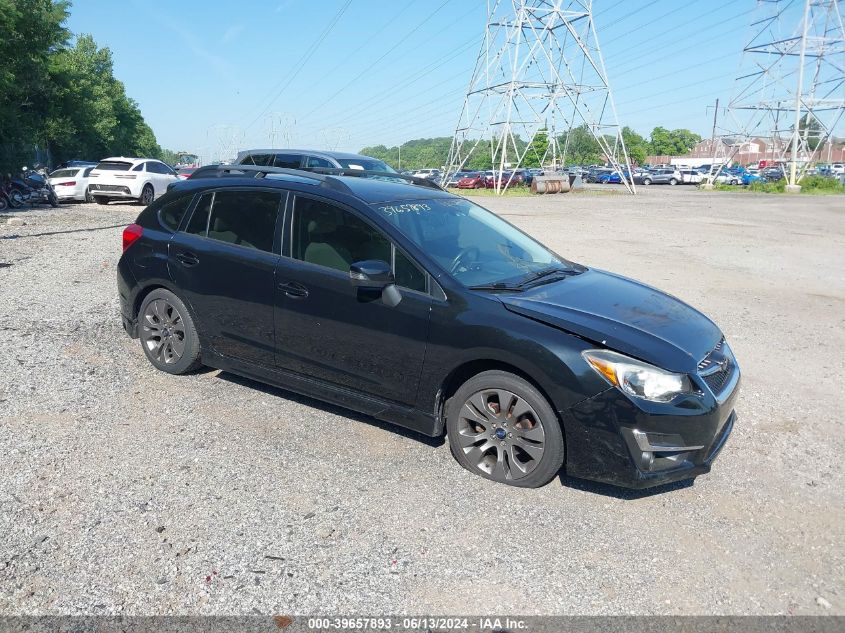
{"x": 636, "y": 378}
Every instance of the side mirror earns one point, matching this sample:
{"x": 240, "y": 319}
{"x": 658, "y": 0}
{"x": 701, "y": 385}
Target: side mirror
{"x": 371, "y": 274}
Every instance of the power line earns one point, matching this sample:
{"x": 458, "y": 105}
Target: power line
{"x": 306, "y": 56}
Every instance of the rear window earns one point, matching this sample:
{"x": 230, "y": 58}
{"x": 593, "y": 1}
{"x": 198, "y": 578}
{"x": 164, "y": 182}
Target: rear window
{"x": 64, "y": 173}
{"x": 113, "y": 165}
{"x": 365, "y": 164}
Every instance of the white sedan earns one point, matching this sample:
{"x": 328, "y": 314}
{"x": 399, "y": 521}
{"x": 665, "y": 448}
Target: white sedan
{"x": 71, "y": 183}
{"x": 122, "y": 178}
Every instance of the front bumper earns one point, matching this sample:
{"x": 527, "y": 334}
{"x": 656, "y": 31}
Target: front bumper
{"x": 612, "y": 439}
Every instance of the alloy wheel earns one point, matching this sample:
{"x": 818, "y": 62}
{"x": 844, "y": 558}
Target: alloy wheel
{"x": 147, "y": 195}
{"x": 501, "y": 434}
{"x": 163, "y": 332}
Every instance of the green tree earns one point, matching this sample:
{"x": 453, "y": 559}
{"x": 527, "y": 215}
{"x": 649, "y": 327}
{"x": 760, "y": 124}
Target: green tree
{"x": 636, "y": 145}
{"x": 581, "y": 147}
{"x": 810, "y": 128}
{"x": 90, "y": 115}
{"x": 672, "y": 143}
{"x": 537, "y": 149}
{"x": 30, "y": 32}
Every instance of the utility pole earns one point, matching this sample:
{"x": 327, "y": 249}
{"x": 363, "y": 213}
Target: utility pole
{"x": 540, "y": 69}
{"x": 793, "y": 185}
{"x": 767, "y": 94}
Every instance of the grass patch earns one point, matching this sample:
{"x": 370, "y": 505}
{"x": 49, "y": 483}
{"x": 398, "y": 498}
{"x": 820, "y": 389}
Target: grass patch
{"x": 812, "y": 185}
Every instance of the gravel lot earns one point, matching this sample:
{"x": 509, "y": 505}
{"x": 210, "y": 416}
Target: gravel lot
{"x": 125, "y": 490}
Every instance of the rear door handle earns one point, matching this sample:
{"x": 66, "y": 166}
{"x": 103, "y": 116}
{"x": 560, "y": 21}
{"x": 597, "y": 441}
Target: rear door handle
{"x": 293, "y": 289}
{"x": 188, "y": 259}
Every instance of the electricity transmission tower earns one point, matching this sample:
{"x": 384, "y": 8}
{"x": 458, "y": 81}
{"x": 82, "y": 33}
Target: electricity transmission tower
{"x": 539, "y": 74}
{"x": 791, "y": 88}
{"x": 279, "y": 129}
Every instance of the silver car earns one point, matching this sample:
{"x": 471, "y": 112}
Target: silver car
{"x": 663, "y": 177}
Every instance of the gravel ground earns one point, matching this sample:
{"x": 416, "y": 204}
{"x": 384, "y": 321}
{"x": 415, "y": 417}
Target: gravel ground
{"x": 129, "y": 491}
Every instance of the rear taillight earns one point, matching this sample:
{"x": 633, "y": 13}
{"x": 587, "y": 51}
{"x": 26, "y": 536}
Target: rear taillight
{"x": 66, "y": 184}
{"x": 130, "y": 234}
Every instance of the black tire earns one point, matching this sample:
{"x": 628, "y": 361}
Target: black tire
{"x": 53, "y": 199}
{"x": 672, "y": 181}
{"x": 480, "y": 443}
{"x": 88, "y": 197}
{"x": 147, "y": 195}
{"x": 101, "y": 200}
{"x": 165, "y": 326}
{"x": 3, "y": 203}
{"x": 646, "y": 181}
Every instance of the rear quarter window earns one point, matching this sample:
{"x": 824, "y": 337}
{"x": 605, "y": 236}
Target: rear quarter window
{"x": 170, "y": 215}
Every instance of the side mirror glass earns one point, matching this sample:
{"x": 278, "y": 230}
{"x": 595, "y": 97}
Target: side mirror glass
{"x": 371, "y": 274}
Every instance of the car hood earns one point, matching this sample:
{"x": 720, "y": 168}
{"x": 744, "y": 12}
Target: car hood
{"x": 623, "y": 315}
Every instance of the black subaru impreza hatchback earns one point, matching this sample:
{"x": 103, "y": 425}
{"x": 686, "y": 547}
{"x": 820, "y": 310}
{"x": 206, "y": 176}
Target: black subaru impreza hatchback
{"x": 415, "y": 306}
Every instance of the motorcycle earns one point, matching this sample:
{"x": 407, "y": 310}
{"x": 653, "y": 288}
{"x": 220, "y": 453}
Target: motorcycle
{"x": 32, "y": 187}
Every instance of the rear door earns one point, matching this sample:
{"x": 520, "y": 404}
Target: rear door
{"x": 224, "y": 262}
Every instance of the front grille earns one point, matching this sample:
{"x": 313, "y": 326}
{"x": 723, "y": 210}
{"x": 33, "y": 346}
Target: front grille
{"x": 717, "y": 367}
{"x": 717, "y": 380}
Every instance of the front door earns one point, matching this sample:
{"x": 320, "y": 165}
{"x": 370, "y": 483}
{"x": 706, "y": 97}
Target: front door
{"x": 328, "y": 329}
{"x": 225, "y": 263}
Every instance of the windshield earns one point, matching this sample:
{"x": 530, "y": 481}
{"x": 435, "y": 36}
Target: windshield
{"x": 476, "y": 246}
{"x": 368, "y": 164}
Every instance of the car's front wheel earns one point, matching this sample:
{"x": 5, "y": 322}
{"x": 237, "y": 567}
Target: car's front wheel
{"x": 646, "y": 181}
{"x": 502, "y": 428}
{"x": 673, "y": 181}
{"x": 168, "y": 334}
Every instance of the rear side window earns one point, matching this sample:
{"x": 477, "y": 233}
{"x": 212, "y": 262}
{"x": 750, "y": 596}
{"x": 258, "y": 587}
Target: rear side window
{"x": 139, "y": 167}
{"x": 288, "y": 161}
{"x": 244, "y": 218}
{"x": 171, "y": 214}
{"x": 262, "y": 160}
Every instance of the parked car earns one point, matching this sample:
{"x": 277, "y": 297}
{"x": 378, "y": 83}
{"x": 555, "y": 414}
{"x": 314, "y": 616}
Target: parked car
{"x": 610, "y": 178}
{"x": 71, "y": 183}
{"x": 183, "y": 173}
{"x": 773, "y": 174}
{"x": 594, "y": 173}
{"x": 310, "y": 159}
{"x": 749, "y": 176}
{"x": 76, "y": 163}
{"x": 473, "y": 180}
{"x": 663, "y": 176}
{"x": 422, "y": 308}
{"x": 455, "y": 178}
{"x": 690, "y": 176}
{"x": 122, "y": 178}
{"x": 428, "y": 174}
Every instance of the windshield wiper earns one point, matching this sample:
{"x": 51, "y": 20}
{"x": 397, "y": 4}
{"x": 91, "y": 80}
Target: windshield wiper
{"x": 545, "y": 272}
{"x": 496, "y": 286}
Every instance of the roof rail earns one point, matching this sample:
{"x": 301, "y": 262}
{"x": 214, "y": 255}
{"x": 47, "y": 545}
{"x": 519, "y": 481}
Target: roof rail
{"x": 321, "y": 174}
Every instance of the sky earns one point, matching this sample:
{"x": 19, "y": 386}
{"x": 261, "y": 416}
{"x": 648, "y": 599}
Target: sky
{"x": 213, "y": 76}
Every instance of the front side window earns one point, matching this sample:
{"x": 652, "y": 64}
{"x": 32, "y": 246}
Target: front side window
{"x": 244, "y": 218}
{"x": 476, "y": 246}
{"x": 314, "y": 161}
{"x": 329, "y": 236}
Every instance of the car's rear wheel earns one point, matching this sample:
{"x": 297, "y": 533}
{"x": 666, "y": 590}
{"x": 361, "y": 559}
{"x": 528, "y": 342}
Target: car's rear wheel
{"x": 168, "y": 334}
{"x": 147, "y": 195}
{"x": 88, "y": 197}
{"x": 101, "y": 200}
{"x": 502, "y": 428}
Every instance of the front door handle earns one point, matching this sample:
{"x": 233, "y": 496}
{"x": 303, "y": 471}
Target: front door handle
{"x": 188, "y": 259}
{"x": 293, "y": 289}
